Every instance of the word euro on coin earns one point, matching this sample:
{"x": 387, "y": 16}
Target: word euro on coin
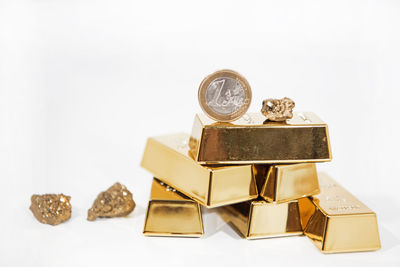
{"x": 225, "y": 95}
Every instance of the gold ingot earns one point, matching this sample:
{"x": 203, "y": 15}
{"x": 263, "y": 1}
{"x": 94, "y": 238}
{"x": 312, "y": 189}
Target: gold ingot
{"x": 281, "y": 183}
{"x": 336, "y": 221}
{"x": 252, "y": 139}
{"x": 167, "y": 157}
{"x": 170, "y": 213}
{"x": 261, "y": 219}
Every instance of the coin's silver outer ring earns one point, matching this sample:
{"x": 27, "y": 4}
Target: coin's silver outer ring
{"x": 224, "y": 74}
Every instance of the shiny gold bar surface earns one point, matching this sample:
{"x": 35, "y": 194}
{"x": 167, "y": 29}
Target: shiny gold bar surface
{"x": 168, "y": 159}
{"x": 251, "y": 139}
{"x": 281, "y": 183}
{"x": 170, "y": 213}
{"x": 336, "y": 221}
{"x": 260, "y": 219}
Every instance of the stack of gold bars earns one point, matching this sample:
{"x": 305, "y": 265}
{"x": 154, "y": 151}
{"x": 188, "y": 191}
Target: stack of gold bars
{"x": 260, "y": 173}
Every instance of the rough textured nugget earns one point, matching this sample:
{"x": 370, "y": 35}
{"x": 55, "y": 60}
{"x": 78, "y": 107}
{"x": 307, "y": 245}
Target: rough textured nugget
{"x": 167, "y": 157}
{"x": 260, "y": 219}
{"x": 281, "y": 183}
{"x": 171, "y": 213}
{"x": 51, "y": 209}
{"x": 336, "y": 221}
{"x": 252, "y": 139}
{"x": 116, "y": 201}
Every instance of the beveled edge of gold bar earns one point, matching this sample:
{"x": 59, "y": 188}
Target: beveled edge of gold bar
{"x": 332, "y": 251}
{"x": 315, "y": 207}
{"x": 201, "y": 122}
{"x": 168, "y": 143}
{"x": 242, "y": 223}
{"x": 171, "y": 196}
{"x": 216, "y": 171}
{"x": 171, "y": 146}
{"x": 173, "y": 234}
{"x": 209, "y": 201}
{"x": 271, "y": 171}
{"x": 274, "y": 170}
{"x": 324, "y": 250}
{"x": 262, "y": 202}
{"x": 238, "y": 221}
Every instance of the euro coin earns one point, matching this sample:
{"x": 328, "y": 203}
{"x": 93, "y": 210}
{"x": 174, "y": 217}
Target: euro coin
{"x": 224, "y": 95}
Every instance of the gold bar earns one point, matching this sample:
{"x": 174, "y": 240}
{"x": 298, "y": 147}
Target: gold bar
{"x": 260, "y": 219}
{"x": 336, "y": 221}
{"x": 281, "y": 183}
{"x": 171, "y": 213}
{"x": 167, "y": 157}
{"x": 251, "y": 139}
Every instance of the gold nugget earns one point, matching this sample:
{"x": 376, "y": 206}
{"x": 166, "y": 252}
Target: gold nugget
{"x": 337, "y": 221}
{"x": 117, "y": 201}
{"x": 278, "y": 109}
{"x": 51, "y": 209}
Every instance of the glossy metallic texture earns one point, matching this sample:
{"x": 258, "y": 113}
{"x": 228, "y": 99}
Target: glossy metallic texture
{"x": 336, "y": 221}
{"x": 282, "y": 183}
{"x": 260, "y": 219}
{"x": 167, "y": 158}
{"x": 170, "y": 213}
{"x": 251, "y": 139}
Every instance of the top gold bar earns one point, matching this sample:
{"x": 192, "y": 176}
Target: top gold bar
{"x": 252, "y": 139}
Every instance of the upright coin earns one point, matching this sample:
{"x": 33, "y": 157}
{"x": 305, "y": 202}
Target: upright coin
{"x": 225, "y": 95}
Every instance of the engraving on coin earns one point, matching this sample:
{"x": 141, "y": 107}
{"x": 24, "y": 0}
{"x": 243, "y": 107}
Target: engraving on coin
{"x": 225, "y": 95}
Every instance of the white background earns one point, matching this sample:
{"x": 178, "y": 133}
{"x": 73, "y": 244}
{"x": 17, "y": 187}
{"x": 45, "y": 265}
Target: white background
{"x": 84, "y": 83}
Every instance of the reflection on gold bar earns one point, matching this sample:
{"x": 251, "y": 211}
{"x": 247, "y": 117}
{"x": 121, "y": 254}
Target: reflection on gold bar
{"x": 167, "y": 158}
{"x": 338, "y": 222}
{"x": 251, "y": 139}
{"x": 281, "y": 183}
{"x": 171, "y": 213}
{"x": 260, "y": 219}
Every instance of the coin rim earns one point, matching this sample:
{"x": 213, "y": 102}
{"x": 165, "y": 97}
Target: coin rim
{"x": 221, "y": 74}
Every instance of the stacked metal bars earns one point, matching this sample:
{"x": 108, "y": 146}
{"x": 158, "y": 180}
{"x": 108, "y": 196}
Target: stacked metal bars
{"x": 262, "y": 175}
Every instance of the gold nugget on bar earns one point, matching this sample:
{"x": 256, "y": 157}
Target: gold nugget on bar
{"x": 278, "y": 109}
{"x": 252, "y": 139}
{"x": 171, "y": 213}
{"x": 281, "y": 183}
{"x": 167, "y": 158}
{"x": 336, "y": 221}
{"x": 261, "y": 219}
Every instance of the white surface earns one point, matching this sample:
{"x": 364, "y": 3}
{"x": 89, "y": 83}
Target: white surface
{"x": 84, "y": 83}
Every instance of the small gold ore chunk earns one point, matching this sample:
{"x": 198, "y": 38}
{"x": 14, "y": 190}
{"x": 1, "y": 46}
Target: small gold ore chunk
{"x": 117, "y": 201}
{"x": 278, "y": 109}
{"x": 51, "y": 209}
